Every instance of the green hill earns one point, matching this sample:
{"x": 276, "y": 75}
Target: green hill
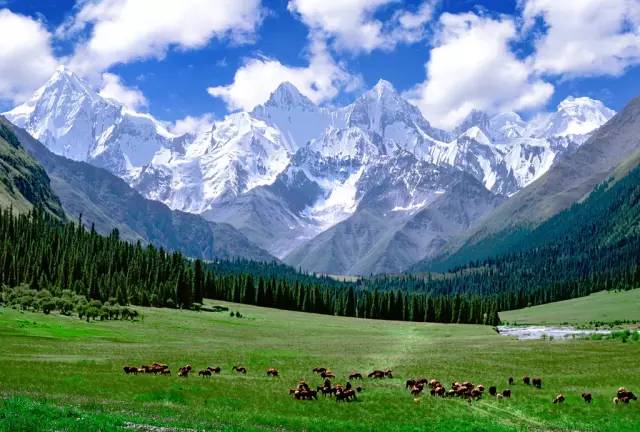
{"x": 23, "y": 182}
{"x": 605, "y": 306}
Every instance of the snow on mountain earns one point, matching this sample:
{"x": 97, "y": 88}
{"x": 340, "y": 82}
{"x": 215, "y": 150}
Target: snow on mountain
{"x": 298, "y": 119}
{"x": 237, "y": 155}
{"x": 72, "y": 120}
{"x": 379, "y": 122}
{"x": 507, "y": 154}
{"x": 574, "y": 116}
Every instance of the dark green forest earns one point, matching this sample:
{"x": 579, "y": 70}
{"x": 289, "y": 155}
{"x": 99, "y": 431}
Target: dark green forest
{"x": 47, "y": 254}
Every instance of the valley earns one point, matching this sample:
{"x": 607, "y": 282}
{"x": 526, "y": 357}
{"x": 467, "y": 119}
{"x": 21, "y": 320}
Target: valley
{"x": 83, "y": 367}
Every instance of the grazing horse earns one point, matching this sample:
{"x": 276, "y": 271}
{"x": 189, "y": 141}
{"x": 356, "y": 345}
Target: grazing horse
{"x": 416, "y": 389}
{"x": 493, "y": 390}
{"x": 319, "y": 370}
{"x": 240, "y": 369}
{"x": 130, "y": 370}
{"x": 355, "y": 375}
{"x": 215, "y": 370}
{"x": 558, "y": 399}
{"x": 378, "y": 374}
{"x": 506, "y": 393}
{"x": 409, "y": 383}
{"x": 526, "y": 379}
{"x": 327, "y": 374}
{"x": 587, "y": 397}
{"x": 623, "y": 393}
{"x": 272, "y": 372}
{"x": 537, "y": 382}
{"x": 511, "y": 381}
{"x": 184, "y": 372}
{"x": 205, "y": 373}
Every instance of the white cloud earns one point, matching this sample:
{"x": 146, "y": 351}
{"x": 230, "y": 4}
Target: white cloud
{"x": 472, "y": 67}
{"x": 254, "y": 82}
{"x": 192, "y": 125}
{"x": 127, "y": 30}
{"x": 114, "y": 88}
{"x": 353, "y": 26}
{"x": 26, "y": 58}
{"x": 586, "y": 37}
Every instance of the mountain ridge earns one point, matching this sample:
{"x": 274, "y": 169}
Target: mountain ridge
{"x": 255, "y": 169}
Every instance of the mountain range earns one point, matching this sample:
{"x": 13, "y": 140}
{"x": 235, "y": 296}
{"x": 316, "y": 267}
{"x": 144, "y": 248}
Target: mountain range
{"x": 365, "y": 188}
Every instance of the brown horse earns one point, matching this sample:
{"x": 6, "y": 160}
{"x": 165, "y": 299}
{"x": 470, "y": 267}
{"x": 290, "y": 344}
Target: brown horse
{"x": 327, "y": 374}
{"x": 240, "y": 369}
{"x": 587, "y": 397}
{"x": 205, "y": 373}
{"x": 272, "y": 372}
{"x": 537, "y": 382}
{"x": 319, "y": 370}
{"x": 355, "y": 375}
{"x": 416, "y": 389}
{"x": 558, "y": 399}
{"x": 526, "y": 379}
{"x": 130, "y": 370}
{"x": 215, "y": 370}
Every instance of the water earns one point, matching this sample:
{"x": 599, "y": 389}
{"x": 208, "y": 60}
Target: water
{"x": 539, "y": 332}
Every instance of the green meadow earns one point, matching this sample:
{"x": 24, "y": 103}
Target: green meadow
{"x": 64, "y": 374}
{"x": 603, "y": 307}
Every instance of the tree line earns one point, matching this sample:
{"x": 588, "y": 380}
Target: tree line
{"x": 46, "y": 254}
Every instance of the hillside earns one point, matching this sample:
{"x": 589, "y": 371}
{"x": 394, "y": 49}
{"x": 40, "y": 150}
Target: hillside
{"x": 84, "y": 371}
{"x": 591, "y": 246}
{"x": 605, "y": 306}
{"x": 23, "y": 182}
{"x": 108, "y": 202}
{"x": 613, "y": 150}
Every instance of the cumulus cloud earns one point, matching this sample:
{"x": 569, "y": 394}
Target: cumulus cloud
{"x": 121, "y": 31}
{"x": 254, "y": 82}
{"x": 192, "y": 124}
{"x": 471, "y": 66}
{"x": 26, "y": 58}
{"x": 586, "y": 37}
{"x": 114, "y": 88}
{"x": 352, "y": 24}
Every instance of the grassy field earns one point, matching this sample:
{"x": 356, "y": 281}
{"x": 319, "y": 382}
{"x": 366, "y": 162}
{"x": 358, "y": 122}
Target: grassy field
{"x": 603, "y": 306}
{"x": 61, "y": 373}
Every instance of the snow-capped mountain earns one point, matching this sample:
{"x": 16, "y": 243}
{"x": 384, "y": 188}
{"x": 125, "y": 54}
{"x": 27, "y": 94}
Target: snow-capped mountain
{"x": 506, "y": 154}
{"x": 74, "y": 121}
{"x": 296, "y": 178}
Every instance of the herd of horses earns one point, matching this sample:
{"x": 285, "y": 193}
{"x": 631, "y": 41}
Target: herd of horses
{"x": 346, "y": 393}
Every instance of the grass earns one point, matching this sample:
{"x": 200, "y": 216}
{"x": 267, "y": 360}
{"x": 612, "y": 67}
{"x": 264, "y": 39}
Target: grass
{"x": 60, "y": 373}
{"x": 602, "y": 307}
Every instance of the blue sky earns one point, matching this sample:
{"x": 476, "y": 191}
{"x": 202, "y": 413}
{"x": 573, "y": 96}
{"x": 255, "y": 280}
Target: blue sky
{"x": 446, "y": 56}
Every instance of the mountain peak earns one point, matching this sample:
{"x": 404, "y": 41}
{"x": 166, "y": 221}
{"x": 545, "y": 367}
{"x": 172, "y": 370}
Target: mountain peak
{"x": 577, "y": 116}
{"x": 474, "y": 118}
{"x": 383, "y": 86}
{"x": 288, "y": 95}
